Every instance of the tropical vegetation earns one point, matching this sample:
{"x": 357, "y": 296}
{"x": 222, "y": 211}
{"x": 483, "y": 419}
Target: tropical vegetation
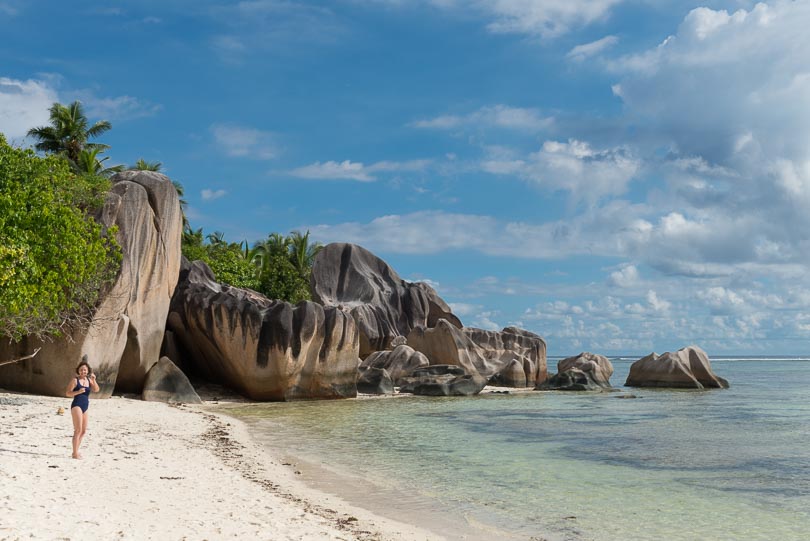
{"x": 69, "y": 135}
{"x": 55, "y": 259}
{"x": 143, "y": 165}
{"x": 279, "y": 266}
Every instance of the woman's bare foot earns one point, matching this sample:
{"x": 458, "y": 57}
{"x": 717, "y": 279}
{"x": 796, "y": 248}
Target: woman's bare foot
{"x": 77, "y": 455}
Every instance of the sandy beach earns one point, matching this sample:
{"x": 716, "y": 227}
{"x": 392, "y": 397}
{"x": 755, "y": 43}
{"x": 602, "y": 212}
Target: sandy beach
{"x": 155, "y": 471}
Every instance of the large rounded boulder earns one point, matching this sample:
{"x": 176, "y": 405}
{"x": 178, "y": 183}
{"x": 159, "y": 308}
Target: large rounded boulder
{"x": 688, "y": 368}
{"x": 382, "y": 304}
{"x": 265, "y": 349}
{"x": 123, "y": 337}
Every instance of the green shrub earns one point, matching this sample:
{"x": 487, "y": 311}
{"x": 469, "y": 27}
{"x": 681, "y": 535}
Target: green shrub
{"x": 227, "y": 263}
{"x": 54, "y": 258}
{"x": 280, "y": 279}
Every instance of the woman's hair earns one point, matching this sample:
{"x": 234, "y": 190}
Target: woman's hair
{"x": 84, "y": 363}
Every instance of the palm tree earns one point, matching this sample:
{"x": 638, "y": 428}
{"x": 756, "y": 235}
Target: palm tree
{"x": 88, "y": 163}
{"x": 68, "y": 133}
{"x": 143, "y": 165}
{"x": 264, "y": 250}
{"x": 192, "y": 237}
{"x": 217, "y": 238}
{"x": 302, "y": 253}
{"x": 180, "y": 193}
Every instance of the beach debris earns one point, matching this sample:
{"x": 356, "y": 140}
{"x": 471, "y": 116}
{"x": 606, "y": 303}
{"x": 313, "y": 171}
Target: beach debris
{"x": 60, "y": 411}
{"x": 31, "y": 356}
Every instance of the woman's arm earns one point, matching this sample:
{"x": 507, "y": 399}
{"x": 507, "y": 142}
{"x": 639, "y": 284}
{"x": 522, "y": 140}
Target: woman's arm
{"x": 93, "y": 385}
{"x": 70, "y": 393}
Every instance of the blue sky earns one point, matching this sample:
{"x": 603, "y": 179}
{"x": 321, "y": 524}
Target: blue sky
{"x": 619, "y": 176}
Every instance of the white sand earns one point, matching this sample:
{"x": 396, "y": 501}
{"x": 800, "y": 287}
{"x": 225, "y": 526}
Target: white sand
{"x": 153, "y": 471}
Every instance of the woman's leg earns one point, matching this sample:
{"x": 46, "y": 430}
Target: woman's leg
{"x": 85, "y": 417}
{"x": 78, "y": 422}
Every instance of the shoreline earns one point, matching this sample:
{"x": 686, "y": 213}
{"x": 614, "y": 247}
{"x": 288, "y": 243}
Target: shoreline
{"x": 157, "y": 471}
{"x": 383, "y": 499}
{"x": 387, "y": 501}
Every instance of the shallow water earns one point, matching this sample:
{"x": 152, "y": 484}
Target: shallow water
{"x": 670, "y": 464}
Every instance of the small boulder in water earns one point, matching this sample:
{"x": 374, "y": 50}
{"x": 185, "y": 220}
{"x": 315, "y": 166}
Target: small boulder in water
{"x": 583, "y": 372}
{"x": 375, "y": 381}
{"x": 399, "y": 363}
{"x": 443, "y": 380}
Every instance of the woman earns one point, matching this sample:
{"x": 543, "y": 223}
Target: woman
{"x": 79, "y": 389}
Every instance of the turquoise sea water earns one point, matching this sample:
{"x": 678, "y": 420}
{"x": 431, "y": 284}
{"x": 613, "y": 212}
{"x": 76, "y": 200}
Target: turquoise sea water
{"x": 670, "y": 464}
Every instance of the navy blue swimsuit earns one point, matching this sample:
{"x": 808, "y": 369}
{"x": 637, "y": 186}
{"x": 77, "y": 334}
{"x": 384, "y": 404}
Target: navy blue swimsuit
{"x": 81, "y": 400}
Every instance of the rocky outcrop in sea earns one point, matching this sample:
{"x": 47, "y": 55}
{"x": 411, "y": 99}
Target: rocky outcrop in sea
{"x": 584, "y": 372}
{"x": 511, "y": 357}
{"x": 688, "y": 368}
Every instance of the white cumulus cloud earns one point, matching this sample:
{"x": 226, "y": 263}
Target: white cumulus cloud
{"x": 625, "y": 277}
{"x": 574, "y": 166}
{"x": 721, "y": 299}
{"x": 24, "y": 105}
{"x": 727, "y": 84}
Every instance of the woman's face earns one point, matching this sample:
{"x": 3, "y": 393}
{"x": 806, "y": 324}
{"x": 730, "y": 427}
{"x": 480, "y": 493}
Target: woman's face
{"x": 83, "y": 371}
